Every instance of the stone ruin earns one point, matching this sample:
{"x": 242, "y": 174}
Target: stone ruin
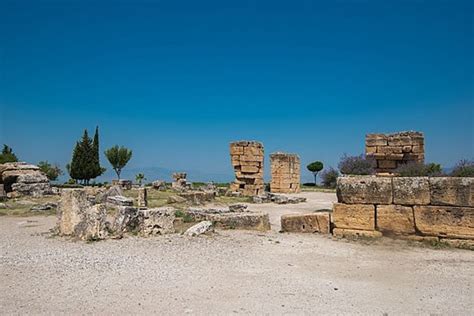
{"x": 392, "y": 150}
{"x": 20, "y": 179}
{"x": 125, "y": 184}
{"x": 179, "y": 182}
{"x": 285, "y": 170}
{"x": 247, "y": 160}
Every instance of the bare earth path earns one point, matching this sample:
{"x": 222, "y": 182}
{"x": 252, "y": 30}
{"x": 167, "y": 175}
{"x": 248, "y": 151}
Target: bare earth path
{"x": 226, "y": 273}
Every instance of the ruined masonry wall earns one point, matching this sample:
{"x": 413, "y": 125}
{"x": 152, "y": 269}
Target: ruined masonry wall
{"x": 247, "y": 161}
{"x": 439, "y": 208}
{"x": 286, "y": 171}
{"x": 392, "y": 150}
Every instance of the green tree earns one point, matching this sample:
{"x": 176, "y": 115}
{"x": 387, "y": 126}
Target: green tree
{"x": 139, "y": 178}
{"x": 7, "y": 155}
{"x": 82, "y": 163}
{"x": 52, "y": 172}
{"x": 315, "y": 167}
{"x": 97, "y": 169}
{"x": 118, "y": 158}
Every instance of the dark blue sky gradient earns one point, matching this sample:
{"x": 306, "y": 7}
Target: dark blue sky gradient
{"x": 176, "y": 81}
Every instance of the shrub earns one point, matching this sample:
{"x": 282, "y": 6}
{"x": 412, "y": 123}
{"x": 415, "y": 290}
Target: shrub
{"x": 52, "y": 172}
{"x": 7, "y": 155}
{"x": 329, "y": 177}
{"x": 356, "y": 165}
{"x": 417, "y": 169}
{"x": 464, "y": 168}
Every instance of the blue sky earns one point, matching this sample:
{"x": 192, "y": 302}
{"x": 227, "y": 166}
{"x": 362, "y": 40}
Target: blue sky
{"x": 176, "y": 81}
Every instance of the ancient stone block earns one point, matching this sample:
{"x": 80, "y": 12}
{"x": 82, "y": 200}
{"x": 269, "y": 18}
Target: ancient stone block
{"x": 445, "y": 221}
{"x": 198, "y": 197}
{"x": 77, "y": 216}
{"x": 375, "y": 140}
{"x": 142, "y": 200}
{"x": 411, "y": 190}
{"x": 395, "y": 220}
{"x": 306, "y": 223}
{"x": 245, "y": 221}
{"x": 119, "y": 201}
{"x": 126, "y": 220}
{"x": 386, "y": 164}
{"x": 157, "y": 221}
{"x": 285, "y": 169}
{"x": 364, "y": 190}
{"x": 179, "y": 181}
{"x": 354, "y": 216}
{"x": 353, "y": 233}
{"x": 247, "y": 161}
{"x": 20, "y": 179}
{"x": 452, "y": 191}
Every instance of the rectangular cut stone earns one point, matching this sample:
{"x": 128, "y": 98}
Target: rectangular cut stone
{"x": 353, "y": 233}
{"x": 370, "y": 150}
{"x": 285, "y": 170}
{"x": 375, "y": 140}
{"x": 452, "y": 191}
{"x": 306, "y": 223}
{"x": 354, "y": 216}
{"x": 395, "y": 219}
{"x": 411, "y": 190}
{"x": 387, "y": 164}
{"x": 445, "y": 221}
{"x": 364, "y": 190}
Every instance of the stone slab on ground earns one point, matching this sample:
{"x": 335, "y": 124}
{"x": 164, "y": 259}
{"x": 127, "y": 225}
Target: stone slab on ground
{"x": 306, "y": 223}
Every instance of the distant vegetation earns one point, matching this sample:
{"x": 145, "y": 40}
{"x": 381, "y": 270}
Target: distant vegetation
{"x": 464, "y": 168}
{"x": 7, "y": 155}
{"x": 356, "y": 165}
{"x": 52, "y": 172}
{"x": 417, "y": 169}
{"x": 329, "y": 177}
{"x": 315, "y": 167}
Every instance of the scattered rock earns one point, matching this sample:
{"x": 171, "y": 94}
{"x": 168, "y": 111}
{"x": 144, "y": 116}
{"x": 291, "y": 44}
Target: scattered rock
{"x": 176, "y": 199}
{"x": 238, "y": 207}
{"x": 112, "y": 191}
{"x": 157, "y": 221}
{"x": 120, "y": 200}
{"x": 199, "y": 229}
{"x": 198, "y": 197}
{"x": 159, "y": 185}
{"x": 77, "y": 217}
{"x": 179, "y": 182}
{"x": 44, "y": 207}
{"x": 278, "y": 199}
{"x": 3, "y": 206}
{"x": 126, "y": 219}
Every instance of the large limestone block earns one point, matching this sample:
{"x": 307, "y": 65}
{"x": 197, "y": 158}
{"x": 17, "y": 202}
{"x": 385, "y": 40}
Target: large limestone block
{"x": 157, "y": 221}
{"x": 244, "y": 221}
{"x": 354, "y": 216}
{"x": 395, "y": 220}
{"x": 364, "y": 190}
{"x": 127, "y": 219}
{"x": 306, "y": 223}
{"x": 411, "y": 190}
{"x": 77, "y": 217}
{"x": 452, "y": 191}
{"x": 445, "y": 221}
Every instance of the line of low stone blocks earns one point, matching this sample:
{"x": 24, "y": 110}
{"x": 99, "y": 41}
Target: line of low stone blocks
{"x": 416, "y": 208}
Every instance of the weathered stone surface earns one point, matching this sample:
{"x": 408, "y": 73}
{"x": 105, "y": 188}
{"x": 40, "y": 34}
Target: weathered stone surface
{"x": 445, "y": 221}
{"x": 411, "y": 190}
{"x": 157, "y": 221}
{"x": 353, "y": 233}
{"x": 354, "y": 216}
{"x": 179, "y": 182}
{"x": 30, "y": 189}
{"x": 44, "y": 207}
{"x": 21, "y": 179}
{"x": 120, "y": 200}
{"x": 198, "y": 197}
{"x": 127, "y": 219}
{"x": 3, "y": 194}
{"x": 285, "y": 170}
{"x": 77, "y": 217}
{"x": 112, "y": 191}
{"x": 199, "y": 229}
{"x": 306, "y": 223}
{"x": 247, "y": 161}
{"x": 452, "y": 191}
{"x": 245, "y": 221}
{"x": 364, "y": 190}
{"x": 176, "y": 199}
{"x": 238, "y": 207}
{"x": 142, "y": 199}
{"x": 159, "y": 185}
{"x": 395, "y": 220}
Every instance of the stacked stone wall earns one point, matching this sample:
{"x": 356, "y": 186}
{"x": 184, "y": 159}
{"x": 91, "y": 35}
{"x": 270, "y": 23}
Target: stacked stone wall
{"x": 286, "y": 171}
{"x": 439, "y": 208}
{"x": 247, "y": 161}
{"x": 392, "y": 150}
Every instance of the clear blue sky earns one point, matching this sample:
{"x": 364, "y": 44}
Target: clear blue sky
{"x": 176, "y": 81}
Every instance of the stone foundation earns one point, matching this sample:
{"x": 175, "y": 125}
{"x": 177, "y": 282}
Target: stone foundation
{"x": 418, "y": 207}
{"x": 179, "y": 181}
{"x": 285, "y": 173}
{"x": 247, "y": 160}
{"x": 22, "y": 179}
{"x": 392, "y": 150}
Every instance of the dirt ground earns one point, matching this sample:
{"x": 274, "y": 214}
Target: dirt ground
{"x": 229, "y": 272}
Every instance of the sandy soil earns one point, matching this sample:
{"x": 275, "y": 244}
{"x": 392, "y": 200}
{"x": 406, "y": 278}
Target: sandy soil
{"x": 229, "y": 272}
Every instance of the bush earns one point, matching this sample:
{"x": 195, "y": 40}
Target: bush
{"x": 464, "y": 168}
{"x": 52, "y": 172}
{"x": 417, "y": 169}
{"x": 356, "y": 165}
{"x": 329, "y": 177}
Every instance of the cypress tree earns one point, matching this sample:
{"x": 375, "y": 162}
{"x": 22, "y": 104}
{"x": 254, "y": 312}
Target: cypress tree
{"x": 95, "y": 152}
{"x": 75, "y": 165}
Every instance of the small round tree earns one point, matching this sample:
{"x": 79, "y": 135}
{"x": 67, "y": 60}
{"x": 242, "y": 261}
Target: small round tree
{"x": 118, "y": 158}
{"x": 315, "y": 167}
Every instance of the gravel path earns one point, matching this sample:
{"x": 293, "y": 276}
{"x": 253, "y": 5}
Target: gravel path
{"x": 226, "y": 273}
